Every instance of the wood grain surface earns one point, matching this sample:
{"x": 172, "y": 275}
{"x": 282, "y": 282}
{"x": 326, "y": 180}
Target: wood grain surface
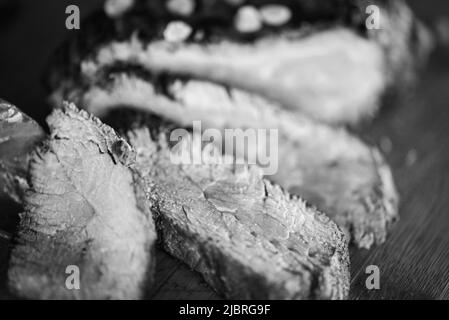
{"x": 413, "y": 263}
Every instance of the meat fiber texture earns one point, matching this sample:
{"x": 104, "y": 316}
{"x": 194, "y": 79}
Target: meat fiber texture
{"x": 247, "y": 237}
{"x": 85, "y": 208}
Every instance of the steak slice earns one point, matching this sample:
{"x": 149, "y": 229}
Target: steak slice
{"x": 85, "y": 208}
{"x": 247, "y": 237}
{"x": 19, "y": 135}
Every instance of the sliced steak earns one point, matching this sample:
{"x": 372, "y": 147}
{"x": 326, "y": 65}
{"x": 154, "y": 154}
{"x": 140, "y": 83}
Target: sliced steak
{"x": 85, "y": 208}
{"x": 247, "y": 237}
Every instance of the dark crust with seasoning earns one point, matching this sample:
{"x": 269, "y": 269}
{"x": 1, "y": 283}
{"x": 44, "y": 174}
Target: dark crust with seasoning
{"x": 406, "y": 42}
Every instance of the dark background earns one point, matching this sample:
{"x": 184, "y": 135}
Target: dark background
{"x": 414, "y": 263}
